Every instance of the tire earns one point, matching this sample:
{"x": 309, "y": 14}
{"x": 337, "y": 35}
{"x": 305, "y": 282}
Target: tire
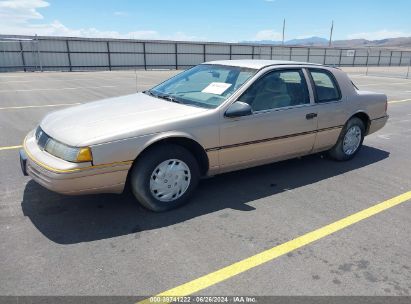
{"x": 158, "y": 192}
{"x": 350, "y": 134}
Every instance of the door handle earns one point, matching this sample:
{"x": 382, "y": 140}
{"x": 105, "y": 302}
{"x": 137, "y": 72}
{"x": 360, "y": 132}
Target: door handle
{"x": 311, "y": 115}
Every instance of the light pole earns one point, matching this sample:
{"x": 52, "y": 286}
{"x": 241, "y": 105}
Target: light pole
{"x": 331, "y": 33}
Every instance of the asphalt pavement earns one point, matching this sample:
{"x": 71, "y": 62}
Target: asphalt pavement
{"x": 52, "y": 244}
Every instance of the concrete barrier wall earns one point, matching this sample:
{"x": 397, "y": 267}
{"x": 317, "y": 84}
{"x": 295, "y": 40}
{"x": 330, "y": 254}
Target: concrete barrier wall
{"x": 28, "y": 53}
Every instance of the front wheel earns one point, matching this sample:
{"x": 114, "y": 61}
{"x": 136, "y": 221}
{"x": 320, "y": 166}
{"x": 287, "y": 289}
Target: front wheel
{"x": 164, "y": 177}
{"x": 350, "y": 140}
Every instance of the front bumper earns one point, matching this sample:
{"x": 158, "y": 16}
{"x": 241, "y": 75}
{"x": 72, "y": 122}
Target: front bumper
{"x": 71, "y": 178}
{"x": 23, "y": 161}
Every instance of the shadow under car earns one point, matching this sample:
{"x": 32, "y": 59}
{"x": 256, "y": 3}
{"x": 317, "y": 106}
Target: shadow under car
{"x": 75, "y": 219}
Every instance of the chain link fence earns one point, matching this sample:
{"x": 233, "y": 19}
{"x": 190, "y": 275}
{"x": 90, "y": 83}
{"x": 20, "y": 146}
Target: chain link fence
{"x": 32, "y": 53}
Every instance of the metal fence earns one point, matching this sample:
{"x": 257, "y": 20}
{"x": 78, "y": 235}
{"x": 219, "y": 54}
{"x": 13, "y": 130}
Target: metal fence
{"x": 32, "y": 53}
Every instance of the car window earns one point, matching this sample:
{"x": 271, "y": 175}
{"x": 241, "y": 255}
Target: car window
{"x": 277, "y": 89}
{"x": 200, "y": 80}
{"x": 206, "y": 85}
{"x": 325, "y": 86}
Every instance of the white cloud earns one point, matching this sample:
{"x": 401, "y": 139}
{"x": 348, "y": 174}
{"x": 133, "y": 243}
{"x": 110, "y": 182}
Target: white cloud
{"x": 184, "y": 37}
{"x": 16, "y": 18}
{"x": 378, "y": 35}
{"x": 119, "y": 13}
{"x": 268, "y": 35}
{"x": 19, "y": 11}
{"x": 269, "y": 1}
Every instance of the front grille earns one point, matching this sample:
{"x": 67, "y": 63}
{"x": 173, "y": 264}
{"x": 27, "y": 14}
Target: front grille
{"x": 42, "y": 138}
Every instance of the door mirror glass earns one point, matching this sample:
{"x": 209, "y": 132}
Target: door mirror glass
{"x": 238, "y": 109}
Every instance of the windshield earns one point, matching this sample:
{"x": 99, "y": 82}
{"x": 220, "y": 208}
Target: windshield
{"x": 205, "y": 85}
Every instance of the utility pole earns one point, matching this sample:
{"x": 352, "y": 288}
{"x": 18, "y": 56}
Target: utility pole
{"x": 38, "y": 53}
{"x": 283, "y": 30}
{"x": 331, "y": 33}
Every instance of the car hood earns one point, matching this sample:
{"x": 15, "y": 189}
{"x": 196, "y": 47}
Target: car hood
{"x": 113, "y": 119}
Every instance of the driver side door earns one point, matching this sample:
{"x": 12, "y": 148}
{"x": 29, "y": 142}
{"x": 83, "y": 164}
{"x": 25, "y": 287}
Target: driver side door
{"x": 282, "y": 125}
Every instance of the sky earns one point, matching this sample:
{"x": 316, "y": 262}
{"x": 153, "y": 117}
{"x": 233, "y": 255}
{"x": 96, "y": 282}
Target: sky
{"x": 207, "y": 20}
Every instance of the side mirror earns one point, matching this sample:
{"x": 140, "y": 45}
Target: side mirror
{"x": 238, "y": 109}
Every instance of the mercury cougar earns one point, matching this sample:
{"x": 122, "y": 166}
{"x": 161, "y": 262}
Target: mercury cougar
{"x": 216, "y": 117}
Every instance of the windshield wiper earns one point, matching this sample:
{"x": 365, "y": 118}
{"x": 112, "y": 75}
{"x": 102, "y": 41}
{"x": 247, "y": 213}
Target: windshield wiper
{"x": 169, "y": 98}
{"x": 148, "y": 92}
{"x": 164, "y": 96}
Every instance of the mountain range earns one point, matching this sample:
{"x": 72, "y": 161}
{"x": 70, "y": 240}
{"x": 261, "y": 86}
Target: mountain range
{"x": 404, "y": 42}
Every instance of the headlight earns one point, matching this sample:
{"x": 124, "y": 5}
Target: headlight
{"x": 60, "y": 150}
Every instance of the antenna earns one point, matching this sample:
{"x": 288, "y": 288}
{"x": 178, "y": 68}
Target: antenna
{"x": 283, "y": 30}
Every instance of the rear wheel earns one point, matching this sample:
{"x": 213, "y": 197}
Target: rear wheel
{"x": 164, "y": 177}
{"x": 350, "y": 140}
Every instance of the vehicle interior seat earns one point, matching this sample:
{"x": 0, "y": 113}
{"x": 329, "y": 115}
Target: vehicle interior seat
{"x": 273, "y": 94}
{"x": 298, "y": 93}
{"x": 326, "y": 93}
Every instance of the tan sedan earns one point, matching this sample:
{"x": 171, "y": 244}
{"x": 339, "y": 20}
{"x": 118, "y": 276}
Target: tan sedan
{"x": 215, "y": 117}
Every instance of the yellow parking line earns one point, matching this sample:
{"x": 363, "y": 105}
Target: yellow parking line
{"x": 397, "y": 101}
{"x": 275, "y": 252}
{"x": 41, "y": 106}
{"x": 10, "y": 147}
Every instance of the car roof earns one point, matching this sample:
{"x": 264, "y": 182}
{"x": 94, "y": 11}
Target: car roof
{"x": 258, "y": 63}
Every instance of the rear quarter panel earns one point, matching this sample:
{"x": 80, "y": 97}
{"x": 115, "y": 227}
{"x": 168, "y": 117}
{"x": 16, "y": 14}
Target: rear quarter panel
{"x": 332, "y": 116}
{"x": 373, "y": 104}
{"x": 355, "y": 101}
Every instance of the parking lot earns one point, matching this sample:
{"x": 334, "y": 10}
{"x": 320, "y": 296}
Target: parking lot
{"x": 108, "y": 245}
